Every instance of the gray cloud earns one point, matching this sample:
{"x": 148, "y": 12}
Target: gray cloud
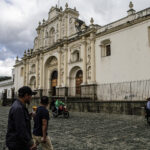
{"x": 19, "y": 19}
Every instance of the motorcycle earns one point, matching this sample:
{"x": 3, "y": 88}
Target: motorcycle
{"x": 62, "y": 110}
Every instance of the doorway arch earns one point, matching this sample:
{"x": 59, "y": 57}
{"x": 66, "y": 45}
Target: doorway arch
{"x": 54, "y": 77}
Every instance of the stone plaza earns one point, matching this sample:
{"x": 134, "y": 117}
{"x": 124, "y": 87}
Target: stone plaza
{"x": 92, "y": 131}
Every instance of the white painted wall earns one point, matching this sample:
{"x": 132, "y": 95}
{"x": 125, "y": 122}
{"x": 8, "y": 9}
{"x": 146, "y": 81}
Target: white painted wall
{"x": 7, "y": 84}
{"x": 130, "y": 55}
{"x": 18, "y": 81}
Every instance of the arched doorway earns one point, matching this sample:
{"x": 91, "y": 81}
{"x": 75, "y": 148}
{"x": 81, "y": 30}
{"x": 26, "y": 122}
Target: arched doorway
{"x": 79, "y": 80}
{"x": 54, "y": 78}
{"x": 50, "y": 66}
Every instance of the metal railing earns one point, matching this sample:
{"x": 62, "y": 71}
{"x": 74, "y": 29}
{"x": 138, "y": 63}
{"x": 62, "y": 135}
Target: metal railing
{"x": 134, "y": 90}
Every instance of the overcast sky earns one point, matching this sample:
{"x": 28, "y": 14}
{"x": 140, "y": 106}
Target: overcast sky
{"x": 19, "y": 19}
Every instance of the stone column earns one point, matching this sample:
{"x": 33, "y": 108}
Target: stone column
{"x": 65, "y": 65}
{"x": 41, "y": 71}
{"x": 37, "y": 71}
{"x": 66, "y": 26}
{"x": 24, "y": 73}
{"x": 93, "y": 58}
{"x": 27, "y": 72}
{"x": 84, "y": 60}
{"x": 60, "y": 28}
{"x": 59, "y": 66}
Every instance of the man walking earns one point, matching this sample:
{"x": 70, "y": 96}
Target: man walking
{"x": 18, "y": 135}
{"x": 41, "y": 119}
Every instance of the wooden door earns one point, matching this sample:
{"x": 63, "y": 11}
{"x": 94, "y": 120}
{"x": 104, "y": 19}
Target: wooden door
{"x": 79, "y": 80}
{"x": 54, "y": 83}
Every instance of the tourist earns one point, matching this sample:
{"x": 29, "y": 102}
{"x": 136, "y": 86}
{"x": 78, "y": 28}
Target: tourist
{"x": 41, "y": 119}
{"x": 19, "y": 135}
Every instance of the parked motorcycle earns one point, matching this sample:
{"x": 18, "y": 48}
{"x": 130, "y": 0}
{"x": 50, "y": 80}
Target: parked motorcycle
{"x": 62, "y": 110}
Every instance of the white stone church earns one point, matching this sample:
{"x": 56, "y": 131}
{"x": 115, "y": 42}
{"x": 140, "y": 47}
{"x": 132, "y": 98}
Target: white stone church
{"x": 70, "y": 58}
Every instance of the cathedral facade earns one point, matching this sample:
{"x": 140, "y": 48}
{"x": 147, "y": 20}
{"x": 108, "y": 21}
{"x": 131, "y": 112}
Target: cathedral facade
{"x": 71, "y": 58}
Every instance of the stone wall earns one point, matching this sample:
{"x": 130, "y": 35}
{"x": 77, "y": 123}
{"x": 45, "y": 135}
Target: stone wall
{"x": 116, "y": 107}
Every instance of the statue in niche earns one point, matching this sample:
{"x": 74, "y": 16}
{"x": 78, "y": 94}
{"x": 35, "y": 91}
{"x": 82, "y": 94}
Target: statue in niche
{"x": 89, "y": 72}
{"x": 89, "y": 55}
{"x": 75, "y": 56}
{"x": 89, "y": 59}
{"x": 32, "y": 68}
{"x": 62, "y": 77}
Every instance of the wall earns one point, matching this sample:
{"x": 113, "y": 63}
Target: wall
{"x": 18, "y": 81}
{"x": 116, "y": 107}
{"x": 8, "y": 84}
{"x": 130, "y": 53}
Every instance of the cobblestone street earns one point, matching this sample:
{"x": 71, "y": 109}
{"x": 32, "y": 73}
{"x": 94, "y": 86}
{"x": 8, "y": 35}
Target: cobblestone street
{"x": 93, "y": 131}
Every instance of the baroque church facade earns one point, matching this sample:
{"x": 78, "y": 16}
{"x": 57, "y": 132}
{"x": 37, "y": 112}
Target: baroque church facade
{"x": 70, "y": 58}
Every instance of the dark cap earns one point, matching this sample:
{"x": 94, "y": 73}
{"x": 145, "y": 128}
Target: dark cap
{"x": 25, "y": 90}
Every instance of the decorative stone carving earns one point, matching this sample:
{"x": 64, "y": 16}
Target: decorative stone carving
{"x": 52, "y": 62}
{"x": 92, "y": 21}
{"x": 130, "y": 5}
{"x": 89, "y": 55}
{"x": 66, "y": 5}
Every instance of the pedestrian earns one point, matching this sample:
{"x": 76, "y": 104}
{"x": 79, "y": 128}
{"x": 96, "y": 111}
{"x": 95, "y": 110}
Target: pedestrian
{"x": 41, "y": 119}
{"x": 19, "y": 135}
{"x": 148, "y": 104}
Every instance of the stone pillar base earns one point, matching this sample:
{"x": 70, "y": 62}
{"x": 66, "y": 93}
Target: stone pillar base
{"x": 89, "y": 90}
{"x": 62, "y": 91}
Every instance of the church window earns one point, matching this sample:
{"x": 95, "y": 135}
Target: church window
{"x": 52, "y": 36}
{"x": 105, "y": 48}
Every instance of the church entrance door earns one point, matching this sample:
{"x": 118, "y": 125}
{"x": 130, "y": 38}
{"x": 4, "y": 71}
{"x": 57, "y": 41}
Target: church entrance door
{"x": 79, "y": 79}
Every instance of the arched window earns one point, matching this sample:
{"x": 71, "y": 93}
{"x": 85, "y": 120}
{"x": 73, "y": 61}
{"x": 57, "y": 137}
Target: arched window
{"x": 52, "y": 36}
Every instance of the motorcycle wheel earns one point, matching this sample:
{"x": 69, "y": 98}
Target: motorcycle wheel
{"x": 66, "y": 114}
